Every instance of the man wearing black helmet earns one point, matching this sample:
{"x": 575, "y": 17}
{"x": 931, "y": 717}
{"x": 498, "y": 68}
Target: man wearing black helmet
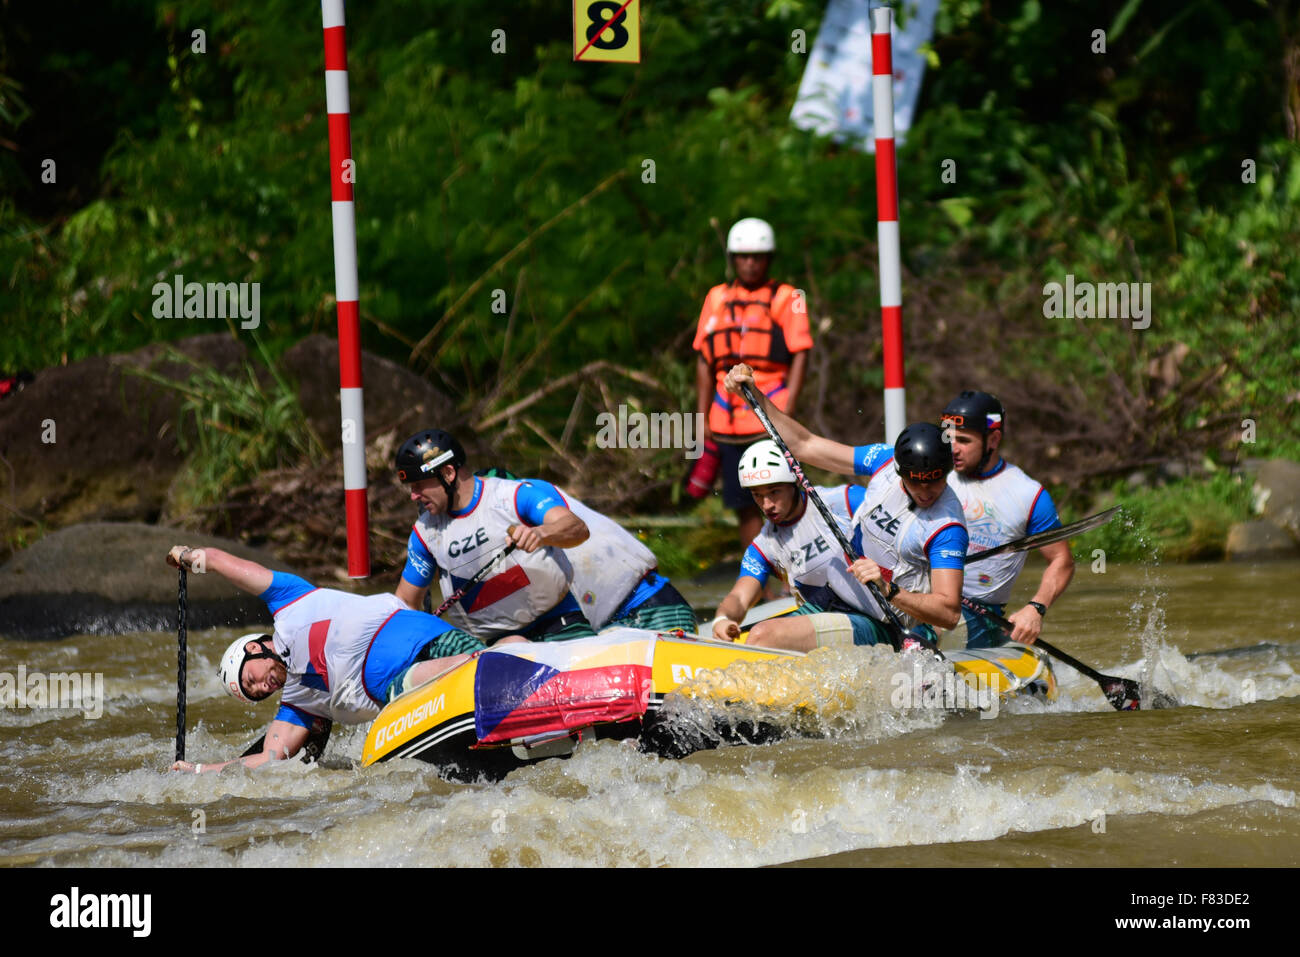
{"x": 909, "y": 527}
{"x": 465, "y": 524}
{"x": 1001, "y": 503}
{"x": 615, "y": 576}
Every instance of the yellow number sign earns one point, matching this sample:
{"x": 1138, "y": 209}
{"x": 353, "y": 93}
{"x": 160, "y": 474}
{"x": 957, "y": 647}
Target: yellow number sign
{"x": 607, "y": 31}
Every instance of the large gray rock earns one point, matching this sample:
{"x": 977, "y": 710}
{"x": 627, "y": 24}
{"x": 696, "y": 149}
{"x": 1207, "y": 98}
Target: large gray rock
{"x": 109, "y": 578}
{"x": 1278, "y": 485}
{"x": 1256, "y": 541}
{"x": 395, "y": 397}
{"x": 114, "y": 448}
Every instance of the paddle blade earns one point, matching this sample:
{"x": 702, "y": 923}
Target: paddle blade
{"x": 1125, "y": 694}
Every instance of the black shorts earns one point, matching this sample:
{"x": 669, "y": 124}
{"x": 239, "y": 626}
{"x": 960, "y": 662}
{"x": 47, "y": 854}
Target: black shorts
{"x": 733, "y": 495}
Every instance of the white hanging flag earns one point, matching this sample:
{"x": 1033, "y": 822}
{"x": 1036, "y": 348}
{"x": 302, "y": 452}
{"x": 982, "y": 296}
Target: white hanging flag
{"x": 835, "y": 94}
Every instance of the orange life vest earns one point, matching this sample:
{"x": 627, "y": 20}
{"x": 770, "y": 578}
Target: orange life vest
{"x": 757, "y": 327}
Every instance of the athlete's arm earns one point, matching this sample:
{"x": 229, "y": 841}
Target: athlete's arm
{"x": 560, "y": 528}
{"x": 417, "y": 574}
{"x": 1057, "y": 575}
{"x": 411, "y": 595}
{"x": 739, "y": 600}
{"x": 942, "y": 605}
{"x": 240, "y": 572}
{"x": 810, "y": 449}
{"x": 283, "y": 740}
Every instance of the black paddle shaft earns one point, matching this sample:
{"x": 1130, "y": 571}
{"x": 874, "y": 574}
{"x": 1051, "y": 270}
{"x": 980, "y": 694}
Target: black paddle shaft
{"x": 180, "y": 663}
{"x": 478, "y": 577}
{"x": 898, "y": 630}
{"x": 1124, "y": 694}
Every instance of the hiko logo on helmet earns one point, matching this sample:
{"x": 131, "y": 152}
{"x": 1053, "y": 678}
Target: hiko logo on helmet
{"x": 433, "y": 458}
{"x": 755, "y": 477}
{"x": 953, "y": 420}
{"x": 931, "y": 476}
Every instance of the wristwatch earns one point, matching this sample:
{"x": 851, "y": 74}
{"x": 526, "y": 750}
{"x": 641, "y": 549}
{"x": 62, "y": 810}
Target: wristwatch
{"x": 1040, "y": 608}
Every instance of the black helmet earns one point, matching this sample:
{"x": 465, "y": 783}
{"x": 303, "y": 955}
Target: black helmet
{"x": 921, "y": 454}
{"x": 976, "y": 411}
{"x": 423, "y": 454}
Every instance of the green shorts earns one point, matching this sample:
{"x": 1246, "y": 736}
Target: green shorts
{"x": 450, "y": 642}
{"x": 561, "y": 628}
{"x": 665, "y": 610}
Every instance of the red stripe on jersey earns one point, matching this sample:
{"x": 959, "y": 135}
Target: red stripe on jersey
{"x": 1033, "y": 505}
{"x": 316, "y": 649}
{"x": 926, "y": 549}
{"x": 495, "y": 588}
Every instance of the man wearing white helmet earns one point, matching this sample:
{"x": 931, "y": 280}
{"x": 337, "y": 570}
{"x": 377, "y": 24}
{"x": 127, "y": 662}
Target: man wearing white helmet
{"x": 334, "y": 656}
{"x": 756, "y": 320}
{"x": 909, "y": 526}
{"x": 796, "y": 543}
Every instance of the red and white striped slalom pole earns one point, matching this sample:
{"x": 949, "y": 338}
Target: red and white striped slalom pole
{"x": 891, "y": 279}
{"x": 345, "y": 289}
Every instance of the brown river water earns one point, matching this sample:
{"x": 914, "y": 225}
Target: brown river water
{"x": 1063, "y": 783}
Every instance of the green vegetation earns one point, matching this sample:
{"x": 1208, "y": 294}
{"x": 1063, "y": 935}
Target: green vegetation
{"x": 234, "y": 427}
{"x": 1186, "y": 520}
{"x": 1173, "y": 158}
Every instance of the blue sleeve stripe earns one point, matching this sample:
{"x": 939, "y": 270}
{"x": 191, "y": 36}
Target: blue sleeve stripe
{"x": 951, "y": 537}
{"x": 1042, "y": 515}
{"x": 535, "y": 502}
{"x": 854, "y": 494}
{"x": 870, "y": 459}
{"x": 420, "y": 567}
{"x": 554, "y": 488}
{"x": 284, "y": 590}
{"x": 754, "y": 564}
{"x": 860, "y": 453}
{"x": 295, "y": 715}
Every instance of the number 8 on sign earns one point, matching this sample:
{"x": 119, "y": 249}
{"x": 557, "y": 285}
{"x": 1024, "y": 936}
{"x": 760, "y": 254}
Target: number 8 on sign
{"x": 607, "y": 31}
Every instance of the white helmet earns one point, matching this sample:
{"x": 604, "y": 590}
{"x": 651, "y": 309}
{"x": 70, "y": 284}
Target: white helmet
{"x": 751, "y": 236}
{"x": 763, "y": 464}
{"x": 233, "y": 661}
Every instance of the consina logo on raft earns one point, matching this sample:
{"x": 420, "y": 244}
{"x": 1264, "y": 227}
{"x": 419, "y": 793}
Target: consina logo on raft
{"x": 409, "y": 720}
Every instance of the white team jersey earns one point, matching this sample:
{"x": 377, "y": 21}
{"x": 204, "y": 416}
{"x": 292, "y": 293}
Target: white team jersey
{"x": 895, "y": 536}
{"x": 323, "y": 638}
{"x": 607, "y": 566}
{"x": 997, "y": 510}
{"x": 808, "y": 555}
{"x": 520, "y": 589}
